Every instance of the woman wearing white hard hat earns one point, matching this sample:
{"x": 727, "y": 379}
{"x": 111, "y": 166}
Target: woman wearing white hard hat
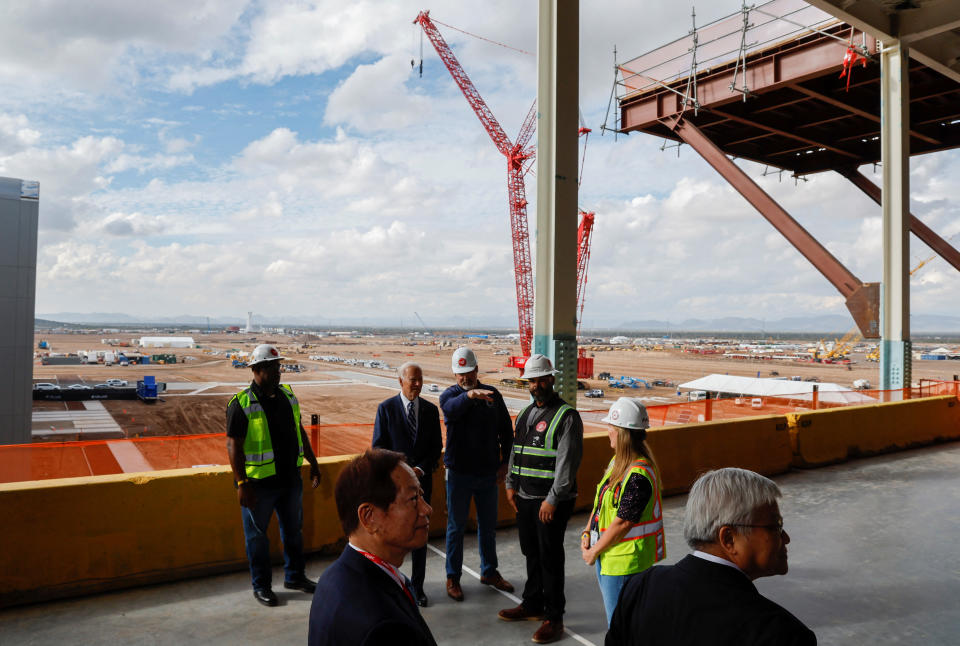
{"x": 624, "y": 535}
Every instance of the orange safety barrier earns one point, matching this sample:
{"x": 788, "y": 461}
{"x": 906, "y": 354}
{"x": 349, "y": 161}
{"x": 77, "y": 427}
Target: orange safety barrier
{"x": 48, "y": 460}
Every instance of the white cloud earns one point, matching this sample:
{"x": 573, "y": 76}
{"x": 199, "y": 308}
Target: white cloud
{"x": 375, "y": 98}
{"x": 87, "y": 45}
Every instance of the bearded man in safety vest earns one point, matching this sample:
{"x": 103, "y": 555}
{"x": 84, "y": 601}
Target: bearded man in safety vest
{"x": 542, "y": 488}
{"x": 267, "y": 446}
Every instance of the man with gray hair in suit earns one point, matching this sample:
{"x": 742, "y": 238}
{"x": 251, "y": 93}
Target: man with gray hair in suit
{"x": 733, "y": 524}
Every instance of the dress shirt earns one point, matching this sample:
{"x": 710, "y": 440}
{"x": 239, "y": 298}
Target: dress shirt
{"x": 416, "y": 408}
{"x": 716, "y": 559}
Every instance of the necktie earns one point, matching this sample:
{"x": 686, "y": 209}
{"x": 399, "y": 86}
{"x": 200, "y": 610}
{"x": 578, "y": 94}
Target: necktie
{"x": 412, "y": 422}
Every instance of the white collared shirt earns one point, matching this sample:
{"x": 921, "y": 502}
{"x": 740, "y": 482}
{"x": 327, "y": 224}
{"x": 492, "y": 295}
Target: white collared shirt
{"x": 416, "y": 408}
{"x": 716, "y": 559}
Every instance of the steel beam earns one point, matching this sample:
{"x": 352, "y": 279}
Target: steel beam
{"x": 555, "y": 302}
{"x": 895, "y": 359}
{"x": 852, "y": 109}
{"x": 927, "y": 235}
{"x": 861, "y": 297}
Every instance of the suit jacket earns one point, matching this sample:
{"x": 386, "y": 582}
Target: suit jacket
{"x": 700, "y": 602}
{"x": 358, "y": 604}
{"x": 391, "y": 431}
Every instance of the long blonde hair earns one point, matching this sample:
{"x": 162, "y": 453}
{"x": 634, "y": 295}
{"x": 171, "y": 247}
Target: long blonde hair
{"x": 631, "y": 445}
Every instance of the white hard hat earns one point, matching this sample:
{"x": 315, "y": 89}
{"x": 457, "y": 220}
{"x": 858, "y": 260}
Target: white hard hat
{"x": 537, "y": 365}
{"x": 627, "y": 412}
{"x": 464, "y": 360}
{"x": 263, "y": 353}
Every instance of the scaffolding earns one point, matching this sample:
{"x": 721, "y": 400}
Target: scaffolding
{"x": 726, "y": 41}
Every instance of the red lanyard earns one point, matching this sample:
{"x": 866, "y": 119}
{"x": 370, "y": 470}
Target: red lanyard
{"x": 389, "y": 569}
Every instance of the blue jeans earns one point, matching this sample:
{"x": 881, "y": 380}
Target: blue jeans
{"x": 610, "y": 587}
{"x": 461, "y": 487}
{"x": 288, "y": 503}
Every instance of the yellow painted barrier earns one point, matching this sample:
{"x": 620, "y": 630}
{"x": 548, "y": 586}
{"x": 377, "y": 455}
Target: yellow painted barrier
{"x": 834, "y": 435}
{"x": 81, "y": 535}
{"x": 684, "y": 452}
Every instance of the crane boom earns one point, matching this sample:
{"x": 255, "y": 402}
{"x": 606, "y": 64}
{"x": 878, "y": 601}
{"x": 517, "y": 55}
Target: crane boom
{"x": 518, "y": 156}
{"x": 584, "y": 233}
{"x": 490, "y": 123}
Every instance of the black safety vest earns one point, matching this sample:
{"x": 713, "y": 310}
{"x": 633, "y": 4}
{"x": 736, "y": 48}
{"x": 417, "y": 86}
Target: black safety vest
{"x": 535, "y": 449}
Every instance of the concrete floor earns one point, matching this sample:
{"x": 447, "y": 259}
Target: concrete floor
{"x": 872, "y": 561}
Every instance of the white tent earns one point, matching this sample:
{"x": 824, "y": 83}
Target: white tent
{"x": 753, "y": 387}
{"x": 166, "y": 342}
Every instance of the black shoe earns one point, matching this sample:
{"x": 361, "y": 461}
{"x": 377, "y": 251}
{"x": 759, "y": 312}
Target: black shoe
{"x": 266, "y": 597}
{"x": 421, "y": 598}
{"x": 301, "y": 583}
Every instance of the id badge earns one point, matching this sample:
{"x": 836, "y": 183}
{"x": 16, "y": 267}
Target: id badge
{"x": 594, "y": 537}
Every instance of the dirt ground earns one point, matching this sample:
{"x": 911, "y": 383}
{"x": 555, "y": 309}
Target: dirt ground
{"x": 347, "y": 410}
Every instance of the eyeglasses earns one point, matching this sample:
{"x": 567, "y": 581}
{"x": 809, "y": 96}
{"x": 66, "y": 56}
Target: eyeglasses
{"x": 778, "y": 526}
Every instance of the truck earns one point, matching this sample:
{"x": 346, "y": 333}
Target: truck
{"x": 149, "y": 389}
{"x": 108, "y": 358}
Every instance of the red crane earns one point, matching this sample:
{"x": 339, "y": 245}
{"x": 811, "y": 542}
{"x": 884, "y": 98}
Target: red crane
{"x": 519, "y": 158}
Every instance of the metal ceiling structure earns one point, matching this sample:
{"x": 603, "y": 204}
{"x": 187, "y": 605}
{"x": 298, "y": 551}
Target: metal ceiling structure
{"x": 811, "y": 87}
{"x": 799, "y": 114}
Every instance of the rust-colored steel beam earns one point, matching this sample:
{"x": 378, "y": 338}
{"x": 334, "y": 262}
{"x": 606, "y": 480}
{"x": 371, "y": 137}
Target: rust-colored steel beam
{"x": 853, "y": 109}
{"x": 929, "y": 237}
{"x": 772, "y": 69}
{"x": 784, "y": 132}
{"x": 862, "y": 298}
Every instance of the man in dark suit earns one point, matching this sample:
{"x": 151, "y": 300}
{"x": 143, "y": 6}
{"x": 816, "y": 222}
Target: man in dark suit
{"x": 733, "y": 523}
{"x": 411, "y": 425}
{"x": 363, "y": 599}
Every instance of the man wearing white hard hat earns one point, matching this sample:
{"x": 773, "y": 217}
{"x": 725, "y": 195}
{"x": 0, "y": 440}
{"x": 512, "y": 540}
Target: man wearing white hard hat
{"x": 479, "y": 437}
{"x": 267, "y": 445}
{"x": 542, "y": 488}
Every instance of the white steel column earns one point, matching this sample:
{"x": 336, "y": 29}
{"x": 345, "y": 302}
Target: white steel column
{"x": 555, "y": 326}
{"x": 895, "y": 355}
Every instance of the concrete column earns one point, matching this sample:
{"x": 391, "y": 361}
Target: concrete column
{"x": 555, "y": 311}
{"x": 18, "y": 278}
{"x": 895, "y": 356}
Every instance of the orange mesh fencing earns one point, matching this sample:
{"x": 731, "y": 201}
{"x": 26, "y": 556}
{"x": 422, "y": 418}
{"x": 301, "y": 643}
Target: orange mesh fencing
{"x": 47, "y": 460}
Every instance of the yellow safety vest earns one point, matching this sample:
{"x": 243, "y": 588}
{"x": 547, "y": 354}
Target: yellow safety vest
{"x": 257, "y": 446}
{"x": 645, "y": 543}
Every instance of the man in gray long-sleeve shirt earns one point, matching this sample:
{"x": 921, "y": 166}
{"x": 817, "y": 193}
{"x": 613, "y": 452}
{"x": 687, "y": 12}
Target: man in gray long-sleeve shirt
{"x": 542, "y": 488}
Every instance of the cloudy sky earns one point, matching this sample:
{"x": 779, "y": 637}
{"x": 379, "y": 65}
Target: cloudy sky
{"x": 207, "y": 157}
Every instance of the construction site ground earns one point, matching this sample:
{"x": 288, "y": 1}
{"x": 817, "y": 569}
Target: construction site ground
{"x": 855, "y": 577}
{"x": 199, "y": 388}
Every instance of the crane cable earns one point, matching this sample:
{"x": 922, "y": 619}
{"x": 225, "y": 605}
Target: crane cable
{"x": 462, "y": 31}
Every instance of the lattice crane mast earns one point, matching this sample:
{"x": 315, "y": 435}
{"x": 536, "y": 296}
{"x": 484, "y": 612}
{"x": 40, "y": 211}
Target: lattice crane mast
{"x": 519, "y": 157}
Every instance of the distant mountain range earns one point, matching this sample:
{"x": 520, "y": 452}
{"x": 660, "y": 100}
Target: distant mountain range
{"x": 824, "y": 324}
{"x": 828, "y": 323}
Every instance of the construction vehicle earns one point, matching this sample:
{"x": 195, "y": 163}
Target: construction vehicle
{"x": 520, "y": 157}
{"x": 149, "y": 389}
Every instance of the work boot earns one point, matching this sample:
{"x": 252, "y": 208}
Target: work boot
{"x": 520, "y": 613}
{"x": 497, "y": 581}
{"x": 454, "y": 591}
{"x": 549, "y": 631}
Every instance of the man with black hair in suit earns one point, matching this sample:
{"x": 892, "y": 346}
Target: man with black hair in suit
{"x": 411, "y": 425}
{"x": 363, "y": 599}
